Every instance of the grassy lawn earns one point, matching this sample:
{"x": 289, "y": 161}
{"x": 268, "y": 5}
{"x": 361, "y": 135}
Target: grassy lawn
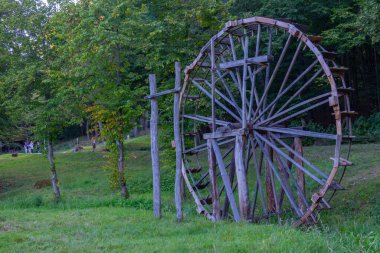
{"x": 92, "y": 218}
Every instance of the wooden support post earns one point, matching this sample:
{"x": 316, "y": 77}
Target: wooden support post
{"x": 269, "y": 182}
{"x": 213, "y": 182}
{"x": 300, "y": 174}
{"x": 177, "y": 139}
{"x": 241, "y": 177}
{"x": 231, "y": 175}
{"x": 154, "y": 148}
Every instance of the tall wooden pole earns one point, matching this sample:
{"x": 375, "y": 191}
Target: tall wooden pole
{"x": 300, "y": 174}
{"x": 178, "y": 150}
{"x": 154, "y": 147}
{"x": 213, "y": 182}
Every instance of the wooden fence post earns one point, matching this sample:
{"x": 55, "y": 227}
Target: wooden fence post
{"x": 178, "y": 149}
{"x": 154, "y": 147}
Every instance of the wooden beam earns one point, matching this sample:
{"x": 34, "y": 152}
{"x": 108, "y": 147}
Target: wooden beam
{"x": 166, "y": 92}
{"x": 154, "y": 148}
{"x": 226, "y": 180}
{"x": 213, "y": 182}
{"x": 234, "y": 132}
{"x": 239, "y": 63}
{"x": 177, "y": 139}
{"x": 241, "y": 177}
{"x": 300, "y": 174}
{"x": 269, "y": 182}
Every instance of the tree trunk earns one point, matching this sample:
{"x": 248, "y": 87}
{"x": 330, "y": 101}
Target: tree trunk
{"x": 121, "y": 165}
{"x": 54, "y": 178}
{"x": 87, "y": 130}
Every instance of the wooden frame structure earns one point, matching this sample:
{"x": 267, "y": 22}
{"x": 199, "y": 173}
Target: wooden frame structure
{"x": 240, "y": 102}
{"x": 239, "y": 124}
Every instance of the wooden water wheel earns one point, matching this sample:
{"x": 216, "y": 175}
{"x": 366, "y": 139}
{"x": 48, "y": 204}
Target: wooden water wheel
{"x": 246, "y": 104}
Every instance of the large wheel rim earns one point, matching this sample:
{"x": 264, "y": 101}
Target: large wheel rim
{"x": 226, "y": 70}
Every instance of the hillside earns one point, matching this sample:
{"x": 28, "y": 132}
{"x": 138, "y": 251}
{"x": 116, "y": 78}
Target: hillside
{"x": 92, "y": 217}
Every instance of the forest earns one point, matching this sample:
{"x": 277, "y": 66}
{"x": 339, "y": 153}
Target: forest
{"x": 77, "y": 70}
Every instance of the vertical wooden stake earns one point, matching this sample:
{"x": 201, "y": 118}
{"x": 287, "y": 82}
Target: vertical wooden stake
{"x": 241, "y": 177}
{"x": 213, "y": 181}
{"x": 300, "y": 174}
{"x": 269, "y": 182}
{"x": 178, "y": 150}
{"x": 154, "y": 148}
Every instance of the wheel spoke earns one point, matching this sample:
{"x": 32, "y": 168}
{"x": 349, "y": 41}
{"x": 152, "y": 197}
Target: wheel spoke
{"x": 224, "y": 97}
{"x": 206, "y": 119}
{"x": 272, "y": 105}
{"x": 296, "y": 132}
{"x": 324, "y": 175}
{"x": 259, "y": 136}
{"x": 258, "y": 186}
{"x": 287, "y": 192}
{"x": 216, "y": 101}
{"x": 300, "y": 90}
{"x": 296, "y": 107}
{"x": 270, "y": 81}
{"x": 226, "y": 180}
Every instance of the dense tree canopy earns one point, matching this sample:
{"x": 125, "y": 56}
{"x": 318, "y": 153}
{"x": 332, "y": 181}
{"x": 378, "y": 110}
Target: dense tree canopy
{"x": 64, "y": 62}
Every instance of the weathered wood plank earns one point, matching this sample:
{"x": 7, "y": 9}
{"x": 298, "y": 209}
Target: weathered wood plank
{"x": 177, "y": 139}
{"x": 300, "y": 174}
{"x": 213, "y": 182}
{"x": 226, "y": 180}
{"x": 239, "y": 63}
{"x": 241, "y": 177}
{"x": 166, "y": 92}
{"x": 154, "y": 148}
{"x": 269, "y": 180}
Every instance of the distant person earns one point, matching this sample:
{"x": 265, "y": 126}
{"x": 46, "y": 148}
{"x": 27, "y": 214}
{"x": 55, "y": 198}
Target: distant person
{"x": 26, "y": 147}
{"x": 93, "y": 144}
{"x": 38, "y": 146}
{"x": 31, "y": 147}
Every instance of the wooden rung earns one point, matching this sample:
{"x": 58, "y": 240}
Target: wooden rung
{"x": 315, "y": 39}
{"x": 342, "y": 161}
{"x": 194, "y": 170}
{"x": 216, "y": 51}
{"x": 346, "y": 90}
{"x": 348, "y": 113}
{"x": 238, "y": 32}
{"x": 206, "y": 201}
{"x": 225, "y": 41}
{"x": 338, "y": 70}
{"x": 335, "y": 186}
{"x": 190, "y": 134}
{"x": 348, "y": 137}
{"x": 190, "y": 152}
{"x": 323, "y": 205}
{"x": 203, "y": 65}
{"x": 263, "y": 59}
{"x": 329, "y": 55}
{"x": 200, "y": 186}
{"x": 300, "y": 27}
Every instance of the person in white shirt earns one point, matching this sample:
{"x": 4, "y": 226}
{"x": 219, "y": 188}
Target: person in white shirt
{"x": 31, "y": 146}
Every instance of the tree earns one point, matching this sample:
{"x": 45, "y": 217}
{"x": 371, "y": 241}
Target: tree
{"x": 104, "y": 43}
{"x": 38, "y": 90}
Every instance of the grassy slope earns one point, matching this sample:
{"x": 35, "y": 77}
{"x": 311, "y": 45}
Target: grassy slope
{"x": 92, "y": 218}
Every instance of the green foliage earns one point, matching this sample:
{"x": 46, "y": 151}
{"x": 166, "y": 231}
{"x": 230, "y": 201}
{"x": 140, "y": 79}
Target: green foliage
{"x": 368, "y": 127}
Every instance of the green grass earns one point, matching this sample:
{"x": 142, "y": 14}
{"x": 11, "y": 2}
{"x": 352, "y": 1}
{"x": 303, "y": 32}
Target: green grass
{"x": 92, "y": 218}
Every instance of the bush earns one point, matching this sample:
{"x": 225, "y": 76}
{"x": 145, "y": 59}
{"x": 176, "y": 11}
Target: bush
{"x": 368, "y": 127}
